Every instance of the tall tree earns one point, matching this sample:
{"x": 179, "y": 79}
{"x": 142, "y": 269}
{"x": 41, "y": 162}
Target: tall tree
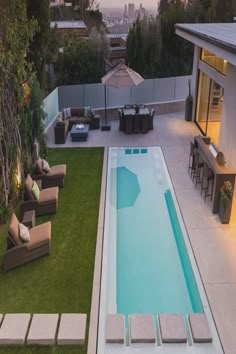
{"x": 39, "y": 47}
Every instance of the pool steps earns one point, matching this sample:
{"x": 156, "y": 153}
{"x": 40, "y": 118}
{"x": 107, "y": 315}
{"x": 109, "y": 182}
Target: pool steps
{"x": 136, "y": 151}
{"x": 170, "y": 328}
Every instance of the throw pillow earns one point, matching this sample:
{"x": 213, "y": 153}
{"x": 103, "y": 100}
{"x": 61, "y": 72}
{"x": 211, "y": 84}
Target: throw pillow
{"x": 67, "y": 113}
{"x": 24, "y": 233}
{"x": 86, "y": 111}
{"x": 35, "y": 190}
{"x": 46, "y": 167}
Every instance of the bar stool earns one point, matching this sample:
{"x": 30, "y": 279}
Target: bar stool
{"x": 207, "y": 179}
{"x": 197, "y": 168}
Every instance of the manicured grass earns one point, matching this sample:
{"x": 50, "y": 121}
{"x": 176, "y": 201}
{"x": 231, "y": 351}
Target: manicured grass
{"x": 61, "y": 282}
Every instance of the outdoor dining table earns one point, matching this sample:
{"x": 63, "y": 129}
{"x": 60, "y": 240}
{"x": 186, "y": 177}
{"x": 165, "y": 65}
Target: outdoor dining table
{"x": 133, "y": 121}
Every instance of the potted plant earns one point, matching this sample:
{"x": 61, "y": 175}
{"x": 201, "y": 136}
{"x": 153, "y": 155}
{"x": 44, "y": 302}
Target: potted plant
{"x": 189, "y": 103}
{"x": 226, "y": 195}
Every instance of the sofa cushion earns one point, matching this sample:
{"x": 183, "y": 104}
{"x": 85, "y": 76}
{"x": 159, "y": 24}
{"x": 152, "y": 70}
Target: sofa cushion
{"x": 24, "y": 233}
{"x": 28, "y": 187}
{"x": 77, "y": 112}
{"x": 39, "y": 235}
{"x": 14, "y": 230}
{"x": 49, "y": 195}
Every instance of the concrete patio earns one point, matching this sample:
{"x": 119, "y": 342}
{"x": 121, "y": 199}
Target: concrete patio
{"x": 213, "y": 244}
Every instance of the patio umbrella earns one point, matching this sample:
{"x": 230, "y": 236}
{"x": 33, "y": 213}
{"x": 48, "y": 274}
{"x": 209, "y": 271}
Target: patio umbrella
{"x": 120, "y": 76}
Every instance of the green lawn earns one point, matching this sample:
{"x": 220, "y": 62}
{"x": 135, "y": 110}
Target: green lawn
{"x": 61, "y": 282}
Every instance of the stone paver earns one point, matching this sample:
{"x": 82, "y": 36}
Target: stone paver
{"x": 72, "y": 329}
{"x": 115, "y": 328}
{"x": 199, "y": 328}
{"x": 14, "y": 328}
{"x": 142, "y": 328}
{"x": 172, "y": 328}
{"x": 43, "y": 329}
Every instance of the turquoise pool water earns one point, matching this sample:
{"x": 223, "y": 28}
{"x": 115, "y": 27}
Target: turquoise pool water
{"x": 153, "y": 270}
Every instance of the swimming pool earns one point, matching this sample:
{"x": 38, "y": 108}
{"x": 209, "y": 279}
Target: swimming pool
{"x": 146, "y": 266}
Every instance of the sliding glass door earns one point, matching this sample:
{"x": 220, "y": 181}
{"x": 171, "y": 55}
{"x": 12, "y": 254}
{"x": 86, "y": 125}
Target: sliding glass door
{"x": 209, "y": 106}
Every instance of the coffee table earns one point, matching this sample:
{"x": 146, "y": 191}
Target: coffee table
{"x": 79, "y": 134}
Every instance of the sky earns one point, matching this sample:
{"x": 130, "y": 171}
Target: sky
{"x": 121, "y": 3}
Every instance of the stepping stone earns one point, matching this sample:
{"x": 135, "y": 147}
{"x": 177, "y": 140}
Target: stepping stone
{"x": 72, "y": 329}
{"x": 43, "y": 329}
{"x": 199, "y": 328}
{"x": 14, "y": 328}
{"x": 172, "y": 328}
{"x": 142, "y": 328}
{"x": 115, "y": 329}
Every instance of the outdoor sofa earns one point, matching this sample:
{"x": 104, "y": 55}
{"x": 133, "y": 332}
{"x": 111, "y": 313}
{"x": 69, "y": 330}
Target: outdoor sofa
{"x": 47, "y": 202}
{"x": 54, "y": 178}
{"x": 19, "y": 252}
{"x": 70, "y": 116}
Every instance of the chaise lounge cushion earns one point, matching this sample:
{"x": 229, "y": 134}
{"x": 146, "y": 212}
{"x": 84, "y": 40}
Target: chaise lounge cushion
{"x": 14, "y": 230}
{"x": 57, "y": 171}
{"x": 48, "y": 195}
{"x": 39, "y": 236}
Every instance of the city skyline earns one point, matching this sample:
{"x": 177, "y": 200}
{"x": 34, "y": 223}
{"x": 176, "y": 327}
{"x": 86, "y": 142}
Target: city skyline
{"x": 120, "y": 4}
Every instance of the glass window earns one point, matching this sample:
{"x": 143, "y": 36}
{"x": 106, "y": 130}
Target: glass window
{"x": 209, "y": 106}
{"x": 214, "y": 61}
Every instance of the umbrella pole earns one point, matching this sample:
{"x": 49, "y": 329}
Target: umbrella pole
{"x": 105, "y": 93}
{"x": 105, "y": 126}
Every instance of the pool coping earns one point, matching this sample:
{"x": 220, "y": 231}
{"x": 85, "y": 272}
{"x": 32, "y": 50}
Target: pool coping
{"x": 204, "y": 298}
{"x": 94, "y": 311}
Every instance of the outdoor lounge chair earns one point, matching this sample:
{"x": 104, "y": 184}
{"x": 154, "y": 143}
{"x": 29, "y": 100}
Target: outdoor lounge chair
{"x": 19, "y": 252}
{"x": 54, "y": 178}
{"x": 47, "y": 203}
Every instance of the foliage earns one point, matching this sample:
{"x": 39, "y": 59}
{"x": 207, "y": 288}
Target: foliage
{"x": 226, "y": 193}
{"x": 153, "y": 48}
{"x": 42, "y": 48}
{"x": 15, "y": 34}
{"x": 81, "y": 60}
{"x": 189, "y": 98}
{"x": 209, "y": 11}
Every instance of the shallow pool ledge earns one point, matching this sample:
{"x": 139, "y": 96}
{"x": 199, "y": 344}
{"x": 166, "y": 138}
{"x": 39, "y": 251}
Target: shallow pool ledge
{"x": 94, "y": 311}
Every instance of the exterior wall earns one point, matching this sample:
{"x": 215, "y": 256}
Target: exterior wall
{"x": 194, "y": 83}
{"x": 227, "y": 139}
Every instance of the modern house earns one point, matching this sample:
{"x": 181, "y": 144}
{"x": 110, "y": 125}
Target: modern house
{"x": 214, "y": 82}
{"x": 118, "y": 48}
{"x": 71, "y": 26}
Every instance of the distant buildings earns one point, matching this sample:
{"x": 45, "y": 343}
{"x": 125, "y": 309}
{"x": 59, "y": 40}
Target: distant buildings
{"x": 130, "y": 14}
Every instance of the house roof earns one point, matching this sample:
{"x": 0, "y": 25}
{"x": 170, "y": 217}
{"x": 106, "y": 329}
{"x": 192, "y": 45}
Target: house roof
{"x": 220, "y": 34}
{"x": 68, "y": 24}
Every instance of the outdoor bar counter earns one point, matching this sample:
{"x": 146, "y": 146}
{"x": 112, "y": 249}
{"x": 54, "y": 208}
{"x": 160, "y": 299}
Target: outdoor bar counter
{"x": 221, "y": 173}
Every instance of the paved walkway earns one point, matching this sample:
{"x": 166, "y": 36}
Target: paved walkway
{"x": 214, "y": 244}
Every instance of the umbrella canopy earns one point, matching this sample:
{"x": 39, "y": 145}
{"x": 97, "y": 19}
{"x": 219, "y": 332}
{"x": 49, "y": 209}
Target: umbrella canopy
{"x": 122, "y": 76}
